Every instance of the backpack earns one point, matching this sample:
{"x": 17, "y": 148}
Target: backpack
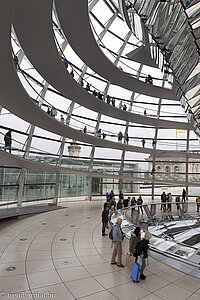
{"x": 111, "y": 234}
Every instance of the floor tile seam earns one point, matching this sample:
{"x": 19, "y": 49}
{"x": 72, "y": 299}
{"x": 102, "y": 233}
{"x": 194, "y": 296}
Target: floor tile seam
{"x": 11, "y": 275}
{"x": 52, "y": 258}
{"x": 14, "y": 251}
{"x": 46, "y": 286}
{"x": 162, "y": 287}
{"x": 98, "y": 225}
{"x": 95, "y": 294}
{"x": 12, "y": 262}
{"x": 16, "y": 237}
{"x": 7, "y": 234}
{"x": 172, "y": 269}
{"x": 194, "y": 293}
{"x": 86, "y": 255}
{"x": 67, "y": 268}
{"x": 27, "y": 260}
{"x": 91, "y": 264}
{"x": 152, "y": 293}
{"x": 158, "y": 272}
{"x": 30, "y": 260}
{"x": 87, "y": 270}
{"x": 118, "y": 285}
{"x": 32, "y": 272}
{"x": 186, "y": 288}
{"x": 100, "y": 254}
{"x": 95, "y": 244}
{"x": 152, "y": 273}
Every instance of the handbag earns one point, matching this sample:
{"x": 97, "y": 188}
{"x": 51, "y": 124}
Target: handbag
{"x": 130, "y": 259}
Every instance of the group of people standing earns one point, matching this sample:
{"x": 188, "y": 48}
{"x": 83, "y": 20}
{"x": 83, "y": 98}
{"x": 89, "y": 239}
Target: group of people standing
{"x": 120, "y": 137}
{"x": 126, "y": 202}
{"x": 137, "y": 247}
{"x": 123, "y": 202}
{"x": 166, "y": 201}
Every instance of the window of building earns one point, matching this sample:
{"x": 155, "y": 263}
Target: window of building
{"x": 176, "y": 169}
{"x": 167, "y": 169}
{"x": 159, "y": 169}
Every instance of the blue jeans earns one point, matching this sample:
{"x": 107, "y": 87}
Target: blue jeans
{"x": 143, "y": 265}
{"x": 104, "y": 225}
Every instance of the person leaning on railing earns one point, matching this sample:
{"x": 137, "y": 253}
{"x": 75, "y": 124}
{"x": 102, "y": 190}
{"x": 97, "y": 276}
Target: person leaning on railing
{"x": 198, "y": 203}
{"x": 178, "y": 200}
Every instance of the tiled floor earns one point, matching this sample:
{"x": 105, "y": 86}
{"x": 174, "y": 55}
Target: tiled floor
{"x": 64, "y": 257}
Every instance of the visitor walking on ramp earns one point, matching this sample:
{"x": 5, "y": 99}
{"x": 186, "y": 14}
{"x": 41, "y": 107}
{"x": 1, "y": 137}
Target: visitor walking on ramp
{"x": 8, "y": 140}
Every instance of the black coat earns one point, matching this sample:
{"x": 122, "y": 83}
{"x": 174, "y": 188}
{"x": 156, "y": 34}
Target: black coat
{"x": 121, "y": 196}
{"x": 142, "y": 248}
{"x": 104, "y": 215}
{"x": 8, "y": 139}
{"x": 126, "y": 203}
{"x": 119, "y": 205}
{"x": 163, "y": 197}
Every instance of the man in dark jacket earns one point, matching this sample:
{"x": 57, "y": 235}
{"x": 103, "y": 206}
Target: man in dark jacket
{"x": 119, "y": 204}
{"x": 106, "y": 204}
{"x": 8, "y": 140}
{"x": 183, "y": 195}
{"x": 121, "y": 196}
{"x": 126, "y": 202}
{"x": 163, "y": 201}
{"x": 142, "y": 250}
{"x": 105, "y": 215}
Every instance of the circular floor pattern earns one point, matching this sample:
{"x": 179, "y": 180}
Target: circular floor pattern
{"x": 90, "y": 276}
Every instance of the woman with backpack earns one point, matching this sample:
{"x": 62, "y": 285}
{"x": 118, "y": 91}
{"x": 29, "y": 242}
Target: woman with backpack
{"x": 142, "y": 251}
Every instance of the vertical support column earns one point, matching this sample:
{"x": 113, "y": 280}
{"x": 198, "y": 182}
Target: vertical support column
{"x": 126, "y": 130}
{"x": 2, "y": 174}
{"x": 55, "y": 200}
{"x": 101, "y": 35}
{"x": 120, "y": 51}
{"x": 187, "y": 164}
{"x": 21, "y": 178}
{"x": 153, "y": 181}
{"x": 89, "y": 193}
{"x": 155, "y": 138}
{"x": 43, "y": 92}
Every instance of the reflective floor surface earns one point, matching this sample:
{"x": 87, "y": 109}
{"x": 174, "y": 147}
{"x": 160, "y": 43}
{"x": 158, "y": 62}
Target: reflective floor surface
{"x": 62, "y": 255}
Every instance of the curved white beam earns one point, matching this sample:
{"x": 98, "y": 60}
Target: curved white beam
{"x": 37, "y": 41}
{"x": 74, "y": 19}
{"x": 10, "y": 160}
{"x": 14, "y": 98}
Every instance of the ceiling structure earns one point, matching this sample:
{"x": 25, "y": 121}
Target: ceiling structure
{"x": 101, "y": 51}
{"x": 175, "y": 29}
